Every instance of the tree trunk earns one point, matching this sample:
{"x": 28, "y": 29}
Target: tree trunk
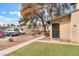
{"x": 43, "y": 24}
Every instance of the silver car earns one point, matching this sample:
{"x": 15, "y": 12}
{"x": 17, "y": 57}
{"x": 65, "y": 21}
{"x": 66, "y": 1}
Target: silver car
{"x": 12, "y": 32}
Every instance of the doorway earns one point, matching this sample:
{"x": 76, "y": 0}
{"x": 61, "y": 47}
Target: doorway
{"x": 55, "y": 30}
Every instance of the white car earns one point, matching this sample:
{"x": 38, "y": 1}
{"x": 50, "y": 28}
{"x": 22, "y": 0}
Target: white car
{"x": 22, "y": 31}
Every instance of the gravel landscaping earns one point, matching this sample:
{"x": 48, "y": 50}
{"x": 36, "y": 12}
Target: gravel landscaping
{"x": 18, "y": 39}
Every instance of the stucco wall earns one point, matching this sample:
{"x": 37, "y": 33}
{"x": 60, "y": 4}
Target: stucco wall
{"x": 50, "y": 27}
{"x": 75, "y": 27}
{"x": 64, "y": 27}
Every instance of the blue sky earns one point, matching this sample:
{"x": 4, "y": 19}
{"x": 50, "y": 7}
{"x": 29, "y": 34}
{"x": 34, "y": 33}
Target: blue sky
{"x": 9, "y": 13}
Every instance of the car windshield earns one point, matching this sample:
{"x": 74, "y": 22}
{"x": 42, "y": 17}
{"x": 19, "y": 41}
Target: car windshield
{"x": 8, "y": 30}
{"x": 16, "y": 29}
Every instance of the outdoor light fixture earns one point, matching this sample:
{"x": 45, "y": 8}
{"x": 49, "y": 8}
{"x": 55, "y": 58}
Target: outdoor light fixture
{"x": 59, "y": 20}
{"x": 75, "y": 26}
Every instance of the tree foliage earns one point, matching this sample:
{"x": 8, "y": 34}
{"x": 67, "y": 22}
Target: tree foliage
{"x": 42, "y": 12}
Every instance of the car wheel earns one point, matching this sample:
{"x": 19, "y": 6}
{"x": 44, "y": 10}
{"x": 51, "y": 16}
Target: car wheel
{"x": 10, "y": 34}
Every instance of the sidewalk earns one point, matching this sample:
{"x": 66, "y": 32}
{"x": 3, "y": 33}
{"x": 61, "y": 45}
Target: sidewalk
{"x": 58, "y": 42}
{"x": 11, "y": 49}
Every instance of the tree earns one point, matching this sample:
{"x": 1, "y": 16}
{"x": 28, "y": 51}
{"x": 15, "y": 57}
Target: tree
{"x": 36, "y": 11}
{"x": 13, "y": 25}
{"x": 8, "y": 25}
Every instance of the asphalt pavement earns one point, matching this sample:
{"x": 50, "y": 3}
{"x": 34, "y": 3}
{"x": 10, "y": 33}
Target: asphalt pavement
{"x": 6, "y": 38}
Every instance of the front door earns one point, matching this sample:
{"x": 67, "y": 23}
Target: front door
{"x": 55, "y": 30}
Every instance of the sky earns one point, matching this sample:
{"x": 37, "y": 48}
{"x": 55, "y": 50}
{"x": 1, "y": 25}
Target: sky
{"x": 9, "y": 13}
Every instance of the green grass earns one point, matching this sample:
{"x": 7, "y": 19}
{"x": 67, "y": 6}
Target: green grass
{"x": 46, "y": 49}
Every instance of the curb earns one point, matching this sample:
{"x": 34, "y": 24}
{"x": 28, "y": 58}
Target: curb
{"x": 11, "y": 49}
{"x": 58, "y": 42}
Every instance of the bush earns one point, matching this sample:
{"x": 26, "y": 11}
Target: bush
{"x": 47, "y": 34}
{"x": 12, "y": 40}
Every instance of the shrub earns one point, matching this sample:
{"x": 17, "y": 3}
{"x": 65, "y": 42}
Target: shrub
{"x": 12, "y": 40}
{"x": 47, "y": 34}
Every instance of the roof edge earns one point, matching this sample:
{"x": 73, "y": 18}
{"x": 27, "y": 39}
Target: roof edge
{"x": 63, "y": 15}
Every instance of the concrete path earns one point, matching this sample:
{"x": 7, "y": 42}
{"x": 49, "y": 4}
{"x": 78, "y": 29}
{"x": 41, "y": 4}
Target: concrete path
{"x": 58, "y": 42}
{"x": 11, "y": 49}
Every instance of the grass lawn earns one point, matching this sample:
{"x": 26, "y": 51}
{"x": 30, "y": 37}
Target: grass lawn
{"x": 46, "y": 49}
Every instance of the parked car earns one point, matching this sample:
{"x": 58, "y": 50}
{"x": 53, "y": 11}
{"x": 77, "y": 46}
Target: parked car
{"x": 22, "y": 31}
{"x": 12, "y": 32}
{"x": 2, "y": 34}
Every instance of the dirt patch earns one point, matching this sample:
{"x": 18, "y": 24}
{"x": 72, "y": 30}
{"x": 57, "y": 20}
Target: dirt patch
{"x": 18, "y": 40}
{"x": 46, "y": 38}
{"x": 49, "y": 39}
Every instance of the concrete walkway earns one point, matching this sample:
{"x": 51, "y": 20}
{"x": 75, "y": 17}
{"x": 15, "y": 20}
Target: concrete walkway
{"x": 58, "y": 42}
{"x": 11, "y": 49}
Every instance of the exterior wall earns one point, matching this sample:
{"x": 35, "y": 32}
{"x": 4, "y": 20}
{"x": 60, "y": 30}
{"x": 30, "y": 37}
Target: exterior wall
{"x": 3, "y": 28}
{"x": 75, "y": 27}
{"x": 64, "y": 27}
{"x": 50, "y": 27}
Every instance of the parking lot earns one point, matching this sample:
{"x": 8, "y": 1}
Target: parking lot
{"x": 6, "y": 38}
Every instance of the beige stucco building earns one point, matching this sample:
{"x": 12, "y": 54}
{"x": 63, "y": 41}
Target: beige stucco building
{"x": 65, "y": 28}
